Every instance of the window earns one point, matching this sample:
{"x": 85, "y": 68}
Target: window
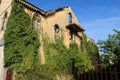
{"x": 71, "y": 35}
{"x": 1, "y": 42}
{"x": 69, "y": 17}
{"x": 0, "y": 1}
{"x": 4, "y": 20}
{"x": 36, "y": 21}
{"x": 57, "y": 31}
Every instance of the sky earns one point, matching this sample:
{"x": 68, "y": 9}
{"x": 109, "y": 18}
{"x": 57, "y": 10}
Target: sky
{"x": 97, "y": 17}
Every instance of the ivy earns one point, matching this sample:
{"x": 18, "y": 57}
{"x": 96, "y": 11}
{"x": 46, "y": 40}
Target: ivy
{"x": 84, "y": 43}
{"x": 89, "y": 48}
{"x": 21, "y": 41}
{"x": 81, "y": 60}
{"x": 21, "y": 50}
{"x": 60, "y": 60}
{"x": 55, "y": 57}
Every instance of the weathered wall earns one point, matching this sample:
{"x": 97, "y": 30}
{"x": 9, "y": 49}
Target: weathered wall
{"x": 46, "y": 25}
{"x": 1, "y": 63}
{"x": 5, "y": 6}
{"x": 60, "y": 18}
{"x": 5, "y": 9}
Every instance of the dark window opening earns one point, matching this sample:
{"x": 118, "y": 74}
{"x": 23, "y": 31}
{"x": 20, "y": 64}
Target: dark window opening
{"x": 36, "y": 21}
{"x": 35, "y": 15}
{"x": 80, "y": 37}
{"x": 71, "y": 35}
{"x": 57, "y": 31}
{"x": 0, "y": 1}
{"x": 70, "y": 17}
{"x": 4, "y": 20}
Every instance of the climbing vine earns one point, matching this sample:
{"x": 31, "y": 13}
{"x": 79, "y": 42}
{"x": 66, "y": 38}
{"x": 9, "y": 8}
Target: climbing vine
{"x": 55, "y": 57}
{"x": 21, "y": 41}
{"x": 89, "y": 47}
{"x": 21, "y": 51}
{"x": 61, "y": 60}
{"x": 84, "y": 43}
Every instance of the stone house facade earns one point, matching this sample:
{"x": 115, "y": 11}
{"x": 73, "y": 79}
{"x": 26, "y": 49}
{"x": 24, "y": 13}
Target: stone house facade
{"x": 53, "y": 23}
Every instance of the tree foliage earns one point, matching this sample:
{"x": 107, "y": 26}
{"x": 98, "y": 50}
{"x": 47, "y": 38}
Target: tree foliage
{"x": 110, "y": 49}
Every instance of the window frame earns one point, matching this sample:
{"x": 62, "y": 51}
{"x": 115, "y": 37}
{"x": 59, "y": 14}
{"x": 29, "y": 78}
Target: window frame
{"x": 69, "y": 17}
{"x": 56, "y": 31}
{"x": 4, "y": 20}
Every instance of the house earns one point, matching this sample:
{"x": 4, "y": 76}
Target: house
{"x": 53, "y": 23}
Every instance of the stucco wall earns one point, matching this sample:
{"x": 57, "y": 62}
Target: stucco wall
{"x": 46, "y": 24}
{"x": 1, "y": 63}
{"x": 60, "y": 18}
{"x": 4, "y": 6}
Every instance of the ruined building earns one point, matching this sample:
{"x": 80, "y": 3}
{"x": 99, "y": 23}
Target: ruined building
{"x": 53, "y": 23}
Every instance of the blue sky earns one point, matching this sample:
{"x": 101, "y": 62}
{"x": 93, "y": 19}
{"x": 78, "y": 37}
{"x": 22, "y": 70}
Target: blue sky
{"x": 97, "y": 17}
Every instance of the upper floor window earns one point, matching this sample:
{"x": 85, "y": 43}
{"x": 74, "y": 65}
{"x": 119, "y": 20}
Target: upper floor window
{"x": 36, "y": 21}
{"x": 0, "y": 1}
{"x": 70, "y": 17}
{"x": 57, "y": 31}
{"x": 4, "y": 20}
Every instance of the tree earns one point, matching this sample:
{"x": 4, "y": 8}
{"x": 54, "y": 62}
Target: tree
{"x": 110, "y": 49}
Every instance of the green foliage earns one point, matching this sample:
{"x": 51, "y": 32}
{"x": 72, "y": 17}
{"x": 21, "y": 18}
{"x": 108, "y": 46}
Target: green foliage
{"x": 90, "y": 48}
{"x": 82, "y": 61}
{"x": 55, "y": 57}
{"x": 84, "y": 43}
{"x": 59, "y": 59}
{"x": 21, "y": 41}
{"x": 106, "y": 60}
{"x": 110, "y": 50}
{"x": 21, "y": 50}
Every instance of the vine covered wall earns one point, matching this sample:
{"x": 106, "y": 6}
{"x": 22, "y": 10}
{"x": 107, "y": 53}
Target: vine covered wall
{"x": 21, "y": 51}
{"x": 61, "y": 60}
{"x": 21, "y": 42}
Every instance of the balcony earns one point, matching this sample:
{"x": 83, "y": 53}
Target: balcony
{"x": 75, "y": 27}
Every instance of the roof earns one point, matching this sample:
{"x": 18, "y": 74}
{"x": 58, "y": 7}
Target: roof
{"x": 72, "y": 26}
{"x": 75, "y": 27}
{"x": 51, "y": 12}
{"x": 40, "y": 11}
{"x": 31, "y": 6}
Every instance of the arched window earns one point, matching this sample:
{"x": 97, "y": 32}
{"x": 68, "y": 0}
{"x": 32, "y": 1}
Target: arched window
{"x": 57, "y": 31}
{"x": 36, "y": 21}
{"x": 4, "y": 20}
{"x": 70, "y": 17}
